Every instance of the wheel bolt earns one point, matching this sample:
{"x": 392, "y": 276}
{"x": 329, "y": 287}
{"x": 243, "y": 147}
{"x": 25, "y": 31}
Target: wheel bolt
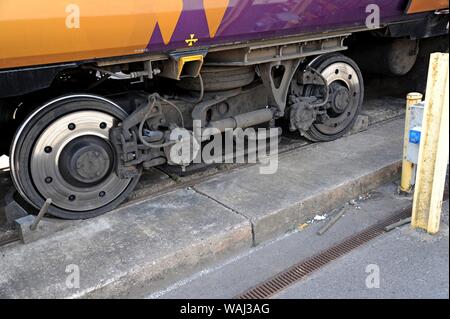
{"x": 103, "y": 125}
{"x": 102, "y": 194}
{"x": 71, "y": 126}
{"x": 72, "y": 198}
{"x": 48, "y": 180}
{"x": 48, "y": 149}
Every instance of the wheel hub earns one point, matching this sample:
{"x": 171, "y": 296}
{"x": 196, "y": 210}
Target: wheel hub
{"x": 340, "y": 97}
{"x": 86, "y": 161}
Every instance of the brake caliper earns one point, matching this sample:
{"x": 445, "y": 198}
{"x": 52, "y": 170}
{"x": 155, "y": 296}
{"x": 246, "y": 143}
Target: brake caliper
{"x": 136, "y": 146}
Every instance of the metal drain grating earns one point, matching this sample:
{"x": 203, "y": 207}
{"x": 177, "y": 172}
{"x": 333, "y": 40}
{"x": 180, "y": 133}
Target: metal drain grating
{"x": 290, "y": 276}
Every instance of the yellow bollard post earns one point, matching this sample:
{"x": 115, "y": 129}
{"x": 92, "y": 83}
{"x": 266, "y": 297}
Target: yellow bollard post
{"x": 434, "y": 149}
{"x": 408, "y": 168}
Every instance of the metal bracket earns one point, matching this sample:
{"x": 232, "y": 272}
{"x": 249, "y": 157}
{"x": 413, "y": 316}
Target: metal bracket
{"x": 148, "y": 110}
{"x": 183, "y": 64}
{"x": 28, "y": 227}
{"x": 277, "y": 77}
{"x": 311, "y": 77}
{"x": 199, "y": 111}
{"x": 31, "y": 228}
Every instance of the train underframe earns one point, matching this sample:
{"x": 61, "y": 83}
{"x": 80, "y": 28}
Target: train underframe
{"x": 84, "y": 140}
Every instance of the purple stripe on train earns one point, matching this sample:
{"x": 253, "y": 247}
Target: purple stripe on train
{"x": 259, "y": 19}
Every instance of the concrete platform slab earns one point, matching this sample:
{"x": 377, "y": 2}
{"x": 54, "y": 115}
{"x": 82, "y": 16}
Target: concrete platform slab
{"x": 383, "y": 108}
{"x": 152, "y": 181}
{"x": 235, "y": 276}
{"x": 121, "y": 252}
{"x": 315, "y": 180}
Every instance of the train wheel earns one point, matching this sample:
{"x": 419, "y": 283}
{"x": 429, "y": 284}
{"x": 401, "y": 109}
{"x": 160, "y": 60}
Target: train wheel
{"x": 346, "y": 96}
{"x": 62, "y": 152}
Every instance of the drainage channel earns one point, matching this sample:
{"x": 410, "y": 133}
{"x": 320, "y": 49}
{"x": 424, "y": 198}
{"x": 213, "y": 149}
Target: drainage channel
{"x": 292, "y": 275}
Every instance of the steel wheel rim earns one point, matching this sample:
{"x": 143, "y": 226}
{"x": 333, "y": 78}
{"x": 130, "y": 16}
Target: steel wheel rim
{"x": 45, "y": 165}
{"x": 348, "y": 78}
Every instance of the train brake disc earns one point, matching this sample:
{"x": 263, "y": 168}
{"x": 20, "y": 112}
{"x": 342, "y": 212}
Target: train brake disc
{"x": 62, "y": 151}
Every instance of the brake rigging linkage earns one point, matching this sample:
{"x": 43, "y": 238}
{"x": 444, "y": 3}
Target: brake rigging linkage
{"x": 135, "y": 145}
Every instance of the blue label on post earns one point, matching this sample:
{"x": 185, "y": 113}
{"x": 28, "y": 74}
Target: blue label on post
{"x": 414, "y": 137}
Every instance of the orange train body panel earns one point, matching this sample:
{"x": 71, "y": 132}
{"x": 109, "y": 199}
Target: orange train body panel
{"x": 215, "y": 11}
{"x": 417, "y": 6}
{"x": 45, "y": 31}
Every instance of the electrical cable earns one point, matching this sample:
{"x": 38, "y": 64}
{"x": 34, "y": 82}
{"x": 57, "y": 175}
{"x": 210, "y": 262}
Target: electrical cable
{"x": 175, "y": 107}
{"x": 202, "y": 91}
{"x": 141, "y": 137}
{"x": 327, "y": 91}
